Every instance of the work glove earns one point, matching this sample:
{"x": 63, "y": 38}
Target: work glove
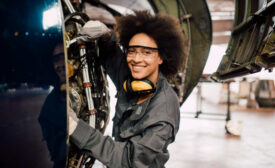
{"x": 73, "y": 121}
{"x": 92, "y": 30}
{"x": 74, "y": 107}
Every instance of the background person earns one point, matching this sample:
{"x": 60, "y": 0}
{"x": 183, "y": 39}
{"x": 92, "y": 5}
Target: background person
{"x": 53, "y": 116}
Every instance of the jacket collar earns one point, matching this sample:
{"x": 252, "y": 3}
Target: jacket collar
{"x": 141, "y": 108}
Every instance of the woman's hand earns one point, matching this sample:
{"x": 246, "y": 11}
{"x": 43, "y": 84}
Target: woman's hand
{"x": 93, "y": 30}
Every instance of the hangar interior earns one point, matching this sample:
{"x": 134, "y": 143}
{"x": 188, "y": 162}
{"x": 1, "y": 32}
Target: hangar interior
{"x": 226, "y": 89}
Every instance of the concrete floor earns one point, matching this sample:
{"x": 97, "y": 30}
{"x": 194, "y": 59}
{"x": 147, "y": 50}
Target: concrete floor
{"x": 203, "y": 143}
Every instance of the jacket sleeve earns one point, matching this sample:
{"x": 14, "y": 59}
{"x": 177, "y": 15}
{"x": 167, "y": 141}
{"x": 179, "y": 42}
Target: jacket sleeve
{"x": 142, "y": 150}
{"x": 113, "y": 60}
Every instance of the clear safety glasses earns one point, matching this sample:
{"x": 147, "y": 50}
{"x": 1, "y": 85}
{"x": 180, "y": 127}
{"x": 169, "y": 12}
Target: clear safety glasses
{"x": 144, "y": 51}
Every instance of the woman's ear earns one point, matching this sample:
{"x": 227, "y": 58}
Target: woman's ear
{"x": 160, "y": 60}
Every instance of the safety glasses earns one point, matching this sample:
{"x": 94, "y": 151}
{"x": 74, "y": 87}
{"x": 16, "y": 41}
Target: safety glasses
{"x": 144, "y": 51}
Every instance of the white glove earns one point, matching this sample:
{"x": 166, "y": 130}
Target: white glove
{"x": 93, "y": 30}
{"x": 73, "y": 121}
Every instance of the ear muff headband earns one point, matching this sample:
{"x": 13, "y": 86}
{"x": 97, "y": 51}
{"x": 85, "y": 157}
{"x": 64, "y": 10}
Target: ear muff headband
{"x": 129, "y": 85}
{"x": 140, "y": 87}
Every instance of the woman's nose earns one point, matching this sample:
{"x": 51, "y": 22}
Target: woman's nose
{"x": 138, "y": 57}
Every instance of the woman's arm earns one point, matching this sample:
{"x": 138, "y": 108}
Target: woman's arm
{"x": 113, "y": 60}
{"x": 144, "y": 150}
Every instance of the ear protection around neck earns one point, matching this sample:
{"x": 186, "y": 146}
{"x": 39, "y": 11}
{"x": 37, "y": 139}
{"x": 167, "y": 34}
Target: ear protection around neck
{"x": 139, "y": 87}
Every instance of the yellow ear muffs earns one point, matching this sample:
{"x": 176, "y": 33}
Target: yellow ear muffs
{"x": 140, "y": 87}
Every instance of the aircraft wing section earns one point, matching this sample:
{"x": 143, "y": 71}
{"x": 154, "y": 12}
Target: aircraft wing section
{"x": 252, "y": 43}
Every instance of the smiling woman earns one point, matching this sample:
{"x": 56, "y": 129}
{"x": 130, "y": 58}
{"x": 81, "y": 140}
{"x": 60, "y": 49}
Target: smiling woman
{"x": 145, "y": 123}
{"x": 162, "y": 32}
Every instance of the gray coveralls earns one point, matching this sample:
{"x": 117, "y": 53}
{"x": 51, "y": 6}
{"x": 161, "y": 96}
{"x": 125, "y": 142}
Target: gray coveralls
{"x": 142, "y": 132}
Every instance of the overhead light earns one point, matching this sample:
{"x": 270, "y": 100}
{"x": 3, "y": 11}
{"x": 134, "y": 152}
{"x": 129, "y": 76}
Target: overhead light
{"x": 52, "y": 17}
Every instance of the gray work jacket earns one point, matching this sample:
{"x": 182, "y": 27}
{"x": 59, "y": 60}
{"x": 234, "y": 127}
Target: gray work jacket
{"x": 141, "y": 132}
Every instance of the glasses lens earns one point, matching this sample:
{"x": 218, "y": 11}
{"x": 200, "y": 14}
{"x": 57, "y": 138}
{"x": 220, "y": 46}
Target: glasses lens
{"x": 131, "y": 52}
{"x": 147, "y": 52}
{"x": 142, "y": 50}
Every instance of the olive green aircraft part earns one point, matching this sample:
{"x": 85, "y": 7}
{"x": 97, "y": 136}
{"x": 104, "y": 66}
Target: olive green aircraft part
{"x": 174, "y": 8}
{"x": 269, "y": 48}
{"x": 267, "y": 57}
{"x": 197, "y": 26}
{"x": 236, "y": 45}
{"x": 251, "y": 46}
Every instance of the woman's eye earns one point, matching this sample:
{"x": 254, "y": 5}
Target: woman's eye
{"x": 147, "y": 52}
{"x": 131, "y": 51}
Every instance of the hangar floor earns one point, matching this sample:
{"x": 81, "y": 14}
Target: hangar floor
{"x": 203, "y": 143}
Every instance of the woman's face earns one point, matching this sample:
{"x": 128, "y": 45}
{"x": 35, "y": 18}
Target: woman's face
{"x": 143, "y": 58}
{"x": 59, "y": 62}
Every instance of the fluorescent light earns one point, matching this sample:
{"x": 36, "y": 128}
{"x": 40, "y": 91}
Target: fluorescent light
{"x": 52, "y": 17}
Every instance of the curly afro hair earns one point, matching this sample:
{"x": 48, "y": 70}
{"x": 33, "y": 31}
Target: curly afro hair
{"x": 166, "y": 32}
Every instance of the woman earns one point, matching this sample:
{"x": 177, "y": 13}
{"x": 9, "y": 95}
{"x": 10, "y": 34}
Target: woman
{"x": 147, "y": 111}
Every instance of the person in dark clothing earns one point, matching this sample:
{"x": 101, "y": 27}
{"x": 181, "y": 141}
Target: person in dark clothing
{"x": 147, "y": 111}
{"x": 53, "y": 114}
